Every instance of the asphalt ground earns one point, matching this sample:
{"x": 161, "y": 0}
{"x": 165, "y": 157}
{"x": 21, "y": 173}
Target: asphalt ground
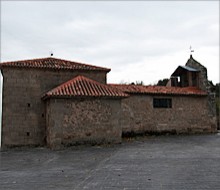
{"x": 156, "y": 162}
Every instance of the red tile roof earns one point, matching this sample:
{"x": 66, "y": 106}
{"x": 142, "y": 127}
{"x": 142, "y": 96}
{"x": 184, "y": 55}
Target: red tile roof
{"x": 52, "y": 63}
{"x": 83, "y": 87}
{"x": 138, "y": 89}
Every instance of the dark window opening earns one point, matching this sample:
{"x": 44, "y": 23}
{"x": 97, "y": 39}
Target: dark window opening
{"x": 184, "y": 80}
{"x": 162, "y": 103}
{"x": 28, "y": 134}
{"x": 29, "y": 105}
{"x": 42, "y": 115}
{"x": 194, "y": 79}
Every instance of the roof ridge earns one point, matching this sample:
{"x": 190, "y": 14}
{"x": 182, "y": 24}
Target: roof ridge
{"x": 81, "y": 63}
{"x": 22, "y": 60}
{"x": 191, "y": 58}
{"x": 166, "y": 90}
{"x": 83, "y": 86}
{"x": 52, "y": 63}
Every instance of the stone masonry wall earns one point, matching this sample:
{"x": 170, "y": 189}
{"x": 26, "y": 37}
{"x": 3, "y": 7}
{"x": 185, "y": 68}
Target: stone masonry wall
{"x": 23, "y": 115}
{"x": 203, "y": 79}
{"x": 204, "y": 84}
{"x": 82, "y": 121}
{"x": 187, "y": 115}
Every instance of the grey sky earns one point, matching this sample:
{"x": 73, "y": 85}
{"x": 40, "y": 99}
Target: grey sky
{"x": 139, "y": 41}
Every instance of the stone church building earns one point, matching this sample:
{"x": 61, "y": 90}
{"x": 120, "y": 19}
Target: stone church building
{"x": 54, "y": 102}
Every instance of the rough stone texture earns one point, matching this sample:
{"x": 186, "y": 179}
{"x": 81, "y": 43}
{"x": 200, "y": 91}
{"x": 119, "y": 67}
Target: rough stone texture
{"x": 187, "y": 115}
{"x": 218, "y": 121}
{"x": 80, "y": 121}
{"x": 23, "y": 115}
{"x": 203, "y": 79}
{"x": 204, "y": 84}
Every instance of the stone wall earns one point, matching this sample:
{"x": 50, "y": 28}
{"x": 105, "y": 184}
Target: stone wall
{"x": 82, "y": 121}
{"x": 23, "y": 115}
{"x": 204, "y": 83}
{"x": 203, "y": 79}
{"x": 187, "y": 115}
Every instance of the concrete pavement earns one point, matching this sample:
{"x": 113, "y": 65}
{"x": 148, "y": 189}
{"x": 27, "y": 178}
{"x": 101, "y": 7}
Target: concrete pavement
{"x": 154, "y": 163}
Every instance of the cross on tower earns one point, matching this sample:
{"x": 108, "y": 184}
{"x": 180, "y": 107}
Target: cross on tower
{"x": 191, "y": 50}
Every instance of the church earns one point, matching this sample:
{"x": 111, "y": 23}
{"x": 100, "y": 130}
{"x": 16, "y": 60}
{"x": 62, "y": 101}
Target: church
{"x": 56, "y": 103}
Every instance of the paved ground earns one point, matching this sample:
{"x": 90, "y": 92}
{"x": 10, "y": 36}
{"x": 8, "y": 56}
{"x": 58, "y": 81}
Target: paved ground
{"x": 154, "y": 163}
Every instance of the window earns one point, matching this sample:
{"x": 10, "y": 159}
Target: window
{"x": 194, "y": 79}
{"x": 162, "y": 103}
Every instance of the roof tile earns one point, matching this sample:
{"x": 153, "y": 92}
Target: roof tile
{"x": 139, "y": 89}
{"x": 83, "y": 87}
{"x": 52, "y": 63}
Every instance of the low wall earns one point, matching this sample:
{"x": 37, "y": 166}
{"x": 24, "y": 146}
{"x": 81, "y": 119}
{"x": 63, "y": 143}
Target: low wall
{"x": 82, "y": 121}
{"x": 188, "y": 115}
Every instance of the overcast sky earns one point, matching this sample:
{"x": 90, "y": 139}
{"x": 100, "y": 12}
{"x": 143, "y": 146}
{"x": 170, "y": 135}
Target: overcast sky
{"x": 139, "y": 40}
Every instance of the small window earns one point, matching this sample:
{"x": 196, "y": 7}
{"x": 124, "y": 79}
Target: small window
{"x": 194, "y": 79}
{"x": 162, "y": 103}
